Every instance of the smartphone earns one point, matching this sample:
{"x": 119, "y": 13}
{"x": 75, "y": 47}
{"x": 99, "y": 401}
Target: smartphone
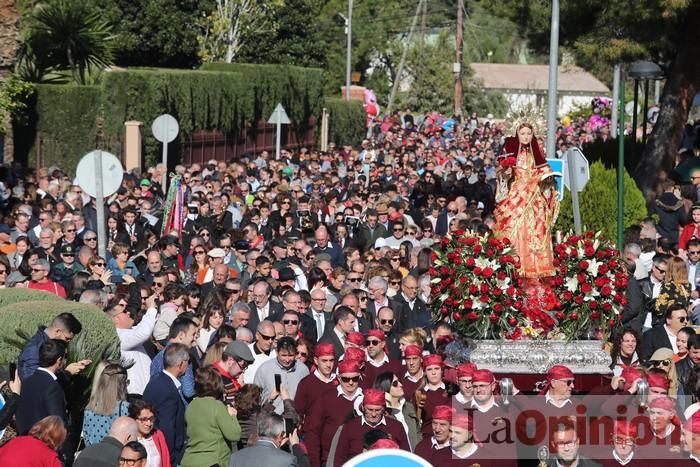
{"x": 128, "y": 271}
{"x": 278, "y": 382}
{"x": 13, "y": 370}
{"x": 289, "y": 426}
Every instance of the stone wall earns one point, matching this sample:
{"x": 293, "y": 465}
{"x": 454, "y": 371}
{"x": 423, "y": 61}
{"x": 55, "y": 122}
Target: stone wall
{"x": 9, "y": 35}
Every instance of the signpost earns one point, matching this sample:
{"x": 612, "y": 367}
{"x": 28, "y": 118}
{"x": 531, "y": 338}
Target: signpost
{"x": 165, "y": 129}
{"x": 576, "y": 176}
{"x": 279, "y": 117}
{"x": 100, "y": 174}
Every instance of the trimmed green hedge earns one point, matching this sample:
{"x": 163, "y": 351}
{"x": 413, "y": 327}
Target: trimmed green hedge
{"x": 347, "y": 121}
{"x": 98, "y": 338}
{"x": 598, "y": 203}
{"x": 14, "y": 295}
{"x": 222, "y": 98}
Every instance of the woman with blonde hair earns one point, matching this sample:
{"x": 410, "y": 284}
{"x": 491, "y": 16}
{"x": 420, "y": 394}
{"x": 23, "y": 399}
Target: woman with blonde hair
{"x": 108, "y": 401}
{"x": 38, "y": 448}
{"x": 415, "y": 336}
{"x": 675, "y": 289}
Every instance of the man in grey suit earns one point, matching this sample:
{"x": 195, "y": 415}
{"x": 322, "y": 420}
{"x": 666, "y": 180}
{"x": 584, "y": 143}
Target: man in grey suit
{"x": 266, "y": 451}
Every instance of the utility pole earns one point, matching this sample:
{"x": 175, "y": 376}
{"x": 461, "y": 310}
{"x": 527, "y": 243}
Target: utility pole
{"x": 349, "y": 52}
{"x": 552, "y": 98}
{"x": 459, "y": 51}
{"x": 402, "y": 63}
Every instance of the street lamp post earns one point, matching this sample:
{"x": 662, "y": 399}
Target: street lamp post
{"x": 621, "y": 164}
{"x": 642, "y": 70}
{"x": 348, "y": 60}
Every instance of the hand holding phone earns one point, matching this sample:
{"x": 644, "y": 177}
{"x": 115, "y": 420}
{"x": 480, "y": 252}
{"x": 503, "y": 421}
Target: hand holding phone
{"x": 278, "y": 382}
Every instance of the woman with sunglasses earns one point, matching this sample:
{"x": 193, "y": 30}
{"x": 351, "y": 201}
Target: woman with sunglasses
{"x": 662, "y": 359}
{"x": 97, "y": 267}
{"x": 200, "y": 264}
{"x": 206, "y": 235}
{"x": 397, "y": 406}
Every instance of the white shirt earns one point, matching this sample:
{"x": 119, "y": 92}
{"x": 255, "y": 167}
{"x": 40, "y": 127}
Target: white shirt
{"x": 264, "y": 311}
{"x": 412, "y": 378}
{"x": 470, "y": 452}
{"x": 622, "y": 461}
{"x": 486, "y": 407}
{"x": 131, "y": 345}
{"x": 153, "y": 456}
{"x": 46, "y": 370}
{"x": 176, "y": 381}
{"x": 320, "y": 320}
{"x": 558, "y": 404}
{"x": 691, "y": 274}
{"x": 365, "y": 422}
{"x": 436, "y": 445}
{"x": 260, "y": 358}
{"x": 672, "y": 338}
{"x": 411, "y": 303}
{"x": 461, "y": 399}
{"x": 380, "y": 363}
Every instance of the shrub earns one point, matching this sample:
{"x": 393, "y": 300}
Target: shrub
{"x": 97, "y": 340}
{"x": 14, "y": 295}
{"x": 598, "y": 203}
{"x": 347, "y": 121}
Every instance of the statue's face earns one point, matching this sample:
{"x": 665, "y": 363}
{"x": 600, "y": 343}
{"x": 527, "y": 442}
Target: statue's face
{"x": 525, "y": 135}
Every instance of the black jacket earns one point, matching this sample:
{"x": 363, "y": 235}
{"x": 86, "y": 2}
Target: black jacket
{"x": 41, "y": 396}
{"x": 654, "y": 339}
{"x": 671, "y": 215}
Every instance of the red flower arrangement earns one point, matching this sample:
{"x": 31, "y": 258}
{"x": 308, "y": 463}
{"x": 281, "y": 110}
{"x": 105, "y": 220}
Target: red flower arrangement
{"x": 476, "y": 287}
{"x": 591, "y": 285}
{"x": 474, "y": 282}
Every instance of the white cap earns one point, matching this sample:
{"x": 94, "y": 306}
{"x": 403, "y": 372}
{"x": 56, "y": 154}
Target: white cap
{"x": 216, "y": 253}
{"x": 381, "y": 242}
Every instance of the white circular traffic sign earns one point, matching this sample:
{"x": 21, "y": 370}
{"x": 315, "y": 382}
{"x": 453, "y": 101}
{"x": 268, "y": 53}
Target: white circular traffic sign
{"x": 165, "y": 128}
{"x": 112, "y": 173}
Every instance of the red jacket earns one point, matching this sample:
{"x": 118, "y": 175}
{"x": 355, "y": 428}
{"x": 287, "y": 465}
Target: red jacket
{"x": 48, "y": 286}
{"x": 27, "y": 451}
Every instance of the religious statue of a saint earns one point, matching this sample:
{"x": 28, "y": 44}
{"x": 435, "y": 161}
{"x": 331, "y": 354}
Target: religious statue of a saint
{"x": 527, "y": 203}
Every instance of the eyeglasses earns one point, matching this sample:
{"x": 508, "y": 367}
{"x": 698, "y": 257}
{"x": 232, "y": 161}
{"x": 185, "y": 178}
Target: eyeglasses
{"x": 70, "y": 230}
{"x": 235, "y": 290}
{"x": 129, "y": 462}
{"x": 199, "y": 252}
{"x": 568, "y": 382}
{"x": 158, "y": 284}
{"x": 3, "y": 271}
{"x": 396, "y": 383}
{"x": 302, "y": 354}
{"x": 318, "y": 300}
{"x": 292, "y": 322}
{"x": 37, "y": 270}
{"x": 99, "y": 265}
{"x": 363, "y": 299}
{"x": 205, "y": 234}
{"x": 661, "y": 271}
{"x": 398, "y": 230}
{"x": 694, "y": 252}
{"x": 90, "y": 239}
{"x": 427, "y": 231}
{"x": 681, "y": 319}
{"x": 146, "y": 419}
{"x": 666, "y": 362}
{"x": 241, "y": 363}
{"x": 452, "y": 211}
{"x": 625, "y": 441}
{"x": 267, "y": 338}
{"x": 372, "y": 342}
{"x": 350, "y": 379}
{"x": 386, "y": 321}
{"x": 354, "y": 279}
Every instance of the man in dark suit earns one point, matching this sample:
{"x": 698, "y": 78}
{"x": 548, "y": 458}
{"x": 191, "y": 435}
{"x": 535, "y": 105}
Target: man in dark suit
{"x": 363, "y": 323}
{"x": 135, "y": 232}
{"x": 41, "y": 394}
{"x": 565, "y": 446}
{"x": 413, "y": 312}
{"x": 442, "y": 225}
{"x": 377, "y": 287}
{"x": 266, "y": 451}
{"x": 664, "y": 335}
{"x": 344, "y": 322}
{"x": 106, "y": 453}
{"x": 321, "y": 321}
{"x": 262, "y": 308}
{"x": 163, "y": 391}
{"x": 324, "y": 245}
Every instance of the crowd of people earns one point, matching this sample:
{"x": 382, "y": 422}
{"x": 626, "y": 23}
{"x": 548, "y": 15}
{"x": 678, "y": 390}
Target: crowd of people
{"x": 289, "y": 322}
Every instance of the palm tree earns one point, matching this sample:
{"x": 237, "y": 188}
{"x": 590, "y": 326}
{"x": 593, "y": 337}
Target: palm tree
{"x": 69, "y": 33}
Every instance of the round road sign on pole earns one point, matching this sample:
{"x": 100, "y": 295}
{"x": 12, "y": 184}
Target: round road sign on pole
{"x": 165, "y": 130}
{"x": 112, "y": 173}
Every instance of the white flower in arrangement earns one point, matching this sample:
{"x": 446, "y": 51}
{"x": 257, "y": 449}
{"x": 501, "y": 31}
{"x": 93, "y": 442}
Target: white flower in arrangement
{"x": 571, "y": 284}
{"x": 483, "y": 262}
{"x": 593, "y": 267}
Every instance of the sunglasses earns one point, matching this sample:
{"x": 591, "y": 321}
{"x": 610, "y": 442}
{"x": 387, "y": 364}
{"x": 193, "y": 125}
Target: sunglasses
{"x": 158, "y": 284}
{"x": 37, "y": 270}
{"x": 205, "y": 234}
{"x": 386, "y": 321}
{"x": 354, "y": 279}
{"x": 350, "y": 379}
{"x": 666, "y": 362}
{"x": 372, "y": 342}
{"x": 100, "y": 265}
{"x": 267, "y": 338}
{"x": 199, "y": 252}
{"x": 90, "y": 239}
{"x": 568, "y": 382}
{"x": 395, "y": 282}
{"x": 363, "y": 299}
{"x": 302, "y": 354}
{"x": 398, "y": 230}
{"x": 235, "y": 290}
{"x": 293, "y": 322}
{"x": 396, "y": 383}
{"x": 70, "y": 230}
